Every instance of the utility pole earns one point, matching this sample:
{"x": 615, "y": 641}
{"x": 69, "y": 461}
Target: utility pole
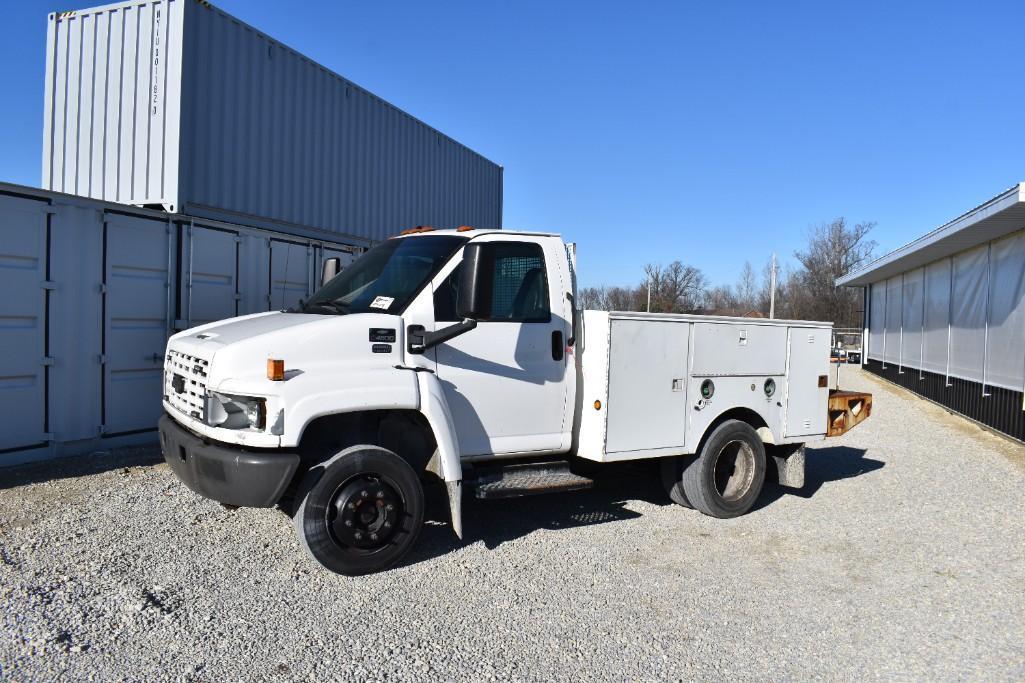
{"x": 772, "y": 288}
{"x": 649, "y": 295}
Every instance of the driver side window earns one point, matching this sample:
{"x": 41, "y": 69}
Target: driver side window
{"x": 519, "y": 290}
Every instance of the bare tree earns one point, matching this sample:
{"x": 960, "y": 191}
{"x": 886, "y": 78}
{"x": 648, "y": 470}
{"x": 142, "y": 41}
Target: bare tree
{"x": 593, "y": 298}
{"x": 834, "y": 249}
{"x": 674, "y": 288}
{"x": 747, "y": 289}
{"x": 720, "y": 298}
{"x": 604, "y": 298}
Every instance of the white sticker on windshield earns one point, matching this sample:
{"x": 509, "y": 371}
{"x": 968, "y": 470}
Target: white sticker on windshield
{"x": 382, "y": 302}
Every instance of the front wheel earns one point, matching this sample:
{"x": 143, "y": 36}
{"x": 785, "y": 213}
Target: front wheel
{"x": 727, "y": 476}
{"x": 361, "y": 511}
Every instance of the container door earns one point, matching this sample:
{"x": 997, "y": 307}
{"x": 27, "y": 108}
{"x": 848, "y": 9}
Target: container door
{"x": 647, "y": 404}
{"x": 807, "y": 360}
{"x": 136, "y": 321}
{"x": 211, "y": 282}
{"x": 22, "y": 320}
{"x": 290, "y": 274}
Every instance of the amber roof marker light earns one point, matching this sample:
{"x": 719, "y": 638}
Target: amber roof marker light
{"x": 419, "y": 228}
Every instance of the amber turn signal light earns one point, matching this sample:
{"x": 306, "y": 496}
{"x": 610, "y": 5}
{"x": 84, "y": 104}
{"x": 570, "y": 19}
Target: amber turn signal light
{"x": 276, "y": 369}
{"x": 597, "y": 405}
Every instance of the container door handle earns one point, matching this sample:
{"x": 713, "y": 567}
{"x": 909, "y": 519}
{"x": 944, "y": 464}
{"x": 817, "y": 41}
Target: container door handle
{"x": 558, "y": 350}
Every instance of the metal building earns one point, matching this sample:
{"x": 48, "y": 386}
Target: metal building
{"x": 177, "y": 105}
{"x": 945, "y": 314}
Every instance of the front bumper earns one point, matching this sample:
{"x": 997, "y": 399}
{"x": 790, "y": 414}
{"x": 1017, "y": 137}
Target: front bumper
{"x": 227, "y": 474}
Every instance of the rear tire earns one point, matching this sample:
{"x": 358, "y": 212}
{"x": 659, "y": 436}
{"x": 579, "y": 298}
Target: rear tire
{"x": 671, "y": 473}
{"x": 727, "y": 476}
{"x": 361, "y": 511}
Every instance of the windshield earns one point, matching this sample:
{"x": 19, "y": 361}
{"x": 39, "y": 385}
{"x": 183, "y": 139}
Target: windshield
{"x": 385, "y": 278}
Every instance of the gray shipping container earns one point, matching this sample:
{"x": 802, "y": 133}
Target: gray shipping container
{"x": 174, "y": 104}
{"x": 92, "y": 290}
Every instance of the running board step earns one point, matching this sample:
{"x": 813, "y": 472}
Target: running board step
{"x": 527, "y": 479}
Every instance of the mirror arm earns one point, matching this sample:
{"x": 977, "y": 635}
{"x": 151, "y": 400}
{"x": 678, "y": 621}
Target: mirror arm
{"x": 432, "y": 339}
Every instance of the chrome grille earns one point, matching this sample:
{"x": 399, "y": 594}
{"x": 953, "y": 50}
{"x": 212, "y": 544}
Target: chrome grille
{"x": 193, "y": 371}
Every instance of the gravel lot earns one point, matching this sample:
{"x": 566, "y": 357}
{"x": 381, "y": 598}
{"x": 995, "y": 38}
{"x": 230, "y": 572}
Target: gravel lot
{"x": 903, "y": 557}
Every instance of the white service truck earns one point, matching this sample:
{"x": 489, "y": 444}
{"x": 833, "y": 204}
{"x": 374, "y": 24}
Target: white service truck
{"x": 458, "y": 356}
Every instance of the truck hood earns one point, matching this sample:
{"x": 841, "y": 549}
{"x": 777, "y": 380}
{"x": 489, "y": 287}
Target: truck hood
{"x": 247, "y": 327}
{"x": 238, "y": 348}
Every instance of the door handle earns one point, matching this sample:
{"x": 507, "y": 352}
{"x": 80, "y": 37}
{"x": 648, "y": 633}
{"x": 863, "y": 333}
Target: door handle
{"x": 558, "y": 350}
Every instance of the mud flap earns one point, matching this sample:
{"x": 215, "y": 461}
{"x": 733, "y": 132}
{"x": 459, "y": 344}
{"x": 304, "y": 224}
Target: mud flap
{"x": 788, "y": 461}
{"x": 455, "y": 506}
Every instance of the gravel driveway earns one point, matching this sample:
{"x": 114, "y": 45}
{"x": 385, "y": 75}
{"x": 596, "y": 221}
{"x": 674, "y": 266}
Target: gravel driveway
{"x": 903, "y": 557}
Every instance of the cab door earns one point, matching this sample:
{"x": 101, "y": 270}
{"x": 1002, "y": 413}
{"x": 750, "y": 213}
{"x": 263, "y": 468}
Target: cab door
{"x": 506, "y": 382}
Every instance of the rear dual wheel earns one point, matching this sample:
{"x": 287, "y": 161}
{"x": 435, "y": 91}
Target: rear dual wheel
{"x": 361, "y": 511}
{"x": 726, "y": 477}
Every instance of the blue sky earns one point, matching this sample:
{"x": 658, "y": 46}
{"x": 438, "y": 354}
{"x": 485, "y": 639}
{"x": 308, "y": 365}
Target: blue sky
{"x": 709, "y": 132}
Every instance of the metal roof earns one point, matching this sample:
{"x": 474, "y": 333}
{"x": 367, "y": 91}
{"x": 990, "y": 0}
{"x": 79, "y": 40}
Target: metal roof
{"x": 991, "y": 220}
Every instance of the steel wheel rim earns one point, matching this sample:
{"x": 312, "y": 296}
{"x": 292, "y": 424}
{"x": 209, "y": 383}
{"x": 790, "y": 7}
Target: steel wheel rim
{"x": 365, "y": 513}
{"x": 733, "y": 472}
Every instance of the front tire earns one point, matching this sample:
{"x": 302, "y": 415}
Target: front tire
{"x": 727, "y": 476}
{"x": 360, "y": 511}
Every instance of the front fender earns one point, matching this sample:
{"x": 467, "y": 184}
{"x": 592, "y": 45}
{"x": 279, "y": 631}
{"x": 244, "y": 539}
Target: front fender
{"x": 434, "y": 407}
{"x": 375, "y": 389}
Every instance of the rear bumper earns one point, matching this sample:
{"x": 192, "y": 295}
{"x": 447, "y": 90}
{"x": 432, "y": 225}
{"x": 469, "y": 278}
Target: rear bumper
{"x": 225, "y": 473}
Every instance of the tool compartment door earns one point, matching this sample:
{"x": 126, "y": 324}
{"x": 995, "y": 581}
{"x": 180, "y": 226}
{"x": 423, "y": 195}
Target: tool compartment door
{"x": 806, "y": 401}
{"x": 647, "y": 399}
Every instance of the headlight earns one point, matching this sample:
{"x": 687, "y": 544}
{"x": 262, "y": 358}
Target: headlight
{"x": 235, "y": 412}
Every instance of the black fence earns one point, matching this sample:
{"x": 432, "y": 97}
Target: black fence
{"x": 998, "y": 408}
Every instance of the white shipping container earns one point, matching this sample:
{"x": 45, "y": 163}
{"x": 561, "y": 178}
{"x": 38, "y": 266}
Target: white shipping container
{"x": 174, "y": 104}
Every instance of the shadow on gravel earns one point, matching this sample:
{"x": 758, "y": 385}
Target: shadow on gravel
{"x": 495, "y": 522}
{"x": 822, "y": 465}
{"x": 79, "y": 465}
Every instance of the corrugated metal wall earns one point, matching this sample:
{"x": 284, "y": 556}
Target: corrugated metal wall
{"x": 91, "y": 292}
{"x": 175, "y": 103}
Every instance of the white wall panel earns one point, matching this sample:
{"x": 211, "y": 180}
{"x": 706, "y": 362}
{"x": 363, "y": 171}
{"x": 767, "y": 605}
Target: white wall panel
{"x": 968, "y": 314}
{"x": 911, "y": 320}
{"x": 877, "y": 320}
{"x": 894, "y": 308}
{"x": 1005, "y": 357}
{"x": 937, "y": 317}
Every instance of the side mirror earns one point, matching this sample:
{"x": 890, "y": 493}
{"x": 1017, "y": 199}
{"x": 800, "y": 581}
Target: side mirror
{"x": 476, "y": 279}
{"x": 332, "y": 267}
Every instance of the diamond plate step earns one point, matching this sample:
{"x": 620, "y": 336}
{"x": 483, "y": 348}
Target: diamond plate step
{"x": 528, "y": 479}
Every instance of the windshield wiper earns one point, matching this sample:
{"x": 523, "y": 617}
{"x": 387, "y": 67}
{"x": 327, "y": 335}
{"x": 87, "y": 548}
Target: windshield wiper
{"x": 337, "y": 306}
